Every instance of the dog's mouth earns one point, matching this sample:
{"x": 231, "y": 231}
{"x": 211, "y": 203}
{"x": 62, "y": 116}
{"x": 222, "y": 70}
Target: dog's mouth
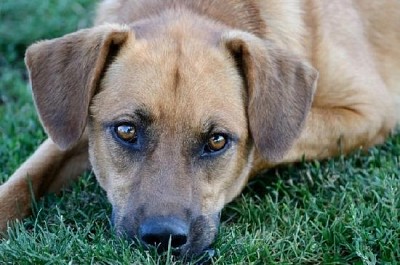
{"x": 168, "y": 233}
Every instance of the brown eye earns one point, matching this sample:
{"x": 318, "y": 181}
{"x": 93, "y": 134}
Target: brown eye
{"x": 126, "y": 132}
{"x": 216, "y": 142}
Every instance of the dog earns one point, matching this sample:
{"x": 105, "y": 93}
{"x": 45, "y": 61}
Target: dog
{"x": 176, "y": 104}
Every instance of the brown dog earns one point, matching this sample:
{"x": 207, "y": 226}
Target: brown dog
{"x": 177, "y": 103}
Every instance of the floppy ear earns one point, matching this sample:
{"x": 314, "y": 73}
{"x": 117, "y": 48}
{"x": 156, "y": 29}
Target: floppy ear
{"x": 280, "y": 89}
{"x": 64, "y": 74}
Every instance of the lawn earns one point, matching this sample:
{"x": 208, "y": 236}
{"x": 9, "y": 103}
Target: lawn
{"x": 340, "y": 211}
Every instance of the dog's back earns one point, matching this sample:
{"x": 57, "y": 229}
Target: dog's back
{"x": 382, "y": 26}
{"x": 335, "y": 32}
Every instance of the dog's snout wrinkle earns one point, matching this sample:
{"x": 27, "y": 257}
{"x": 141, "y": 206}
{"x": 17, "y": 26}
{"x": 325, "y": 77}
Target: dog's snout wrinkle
{"x": 159, "y": 231}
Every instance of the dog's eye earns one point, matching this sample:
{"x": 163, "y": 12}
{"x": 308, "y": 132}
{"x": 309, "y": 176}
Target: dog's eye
{"x": 216, "y": 143}
{"x": 126, "y": 132}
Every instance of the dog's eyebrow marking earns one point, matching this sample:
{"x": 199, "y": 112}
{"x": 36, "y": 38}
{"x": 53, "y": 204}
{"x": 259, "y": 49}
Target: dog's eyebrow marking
{"x": 217, "y": 126}
{"x": 140, "y": 116}
{"x": 144, "y": 115}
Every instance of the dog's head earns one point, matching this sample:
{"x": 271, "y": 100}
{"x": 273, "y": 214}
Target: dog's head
{"x": 174, "y": 121}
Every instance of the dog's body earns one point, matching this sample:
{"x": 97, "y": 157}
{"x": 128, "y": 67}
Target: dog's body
{"x": 180, "y": 102}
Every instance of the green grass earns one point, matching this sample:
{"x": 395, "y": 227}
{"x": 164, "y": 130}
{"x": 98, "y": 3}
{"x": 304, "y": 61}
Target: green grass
{"x": 340, "y": 211}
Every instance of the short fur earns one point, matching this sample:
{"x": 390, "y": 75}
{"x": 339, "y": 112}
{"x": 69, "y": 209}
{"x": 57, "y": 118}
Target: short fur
{"x": 286, "y": 80}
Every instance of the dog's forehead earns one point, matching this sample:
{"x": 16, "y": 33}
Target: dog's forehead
{"x": 185, "y": 78}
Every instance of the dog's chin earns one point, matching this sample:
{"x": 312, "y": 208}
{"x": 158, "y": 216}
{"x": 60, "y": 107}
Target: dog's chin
{"x": 202, "y": 233}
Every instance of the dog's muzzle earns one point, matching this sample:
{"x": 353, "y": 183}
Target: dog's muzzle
{"x": 185, "y": 238}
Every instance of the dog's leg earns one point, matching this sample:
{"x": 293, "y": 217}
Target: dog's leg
{"x": 333, "y": 131}
{"x": 47, "y": 170}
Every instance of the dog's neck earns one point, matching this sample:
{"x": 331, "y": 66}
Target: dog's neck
{"x": 238, "y": 14}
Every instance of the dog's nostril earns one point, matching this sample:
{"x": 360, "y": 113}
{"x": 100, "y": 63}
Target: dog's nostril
{"x": 161, "y": 230}
{"x": 162, "y": 240}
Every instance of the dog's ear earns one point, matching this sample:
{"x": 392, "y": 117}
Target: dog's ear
{"x": 64, "y": 74}
{"x": 280, "y": 88}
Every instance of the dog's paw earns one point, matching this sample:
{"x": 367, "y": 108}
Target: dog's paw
{"x": 13, "y": 205}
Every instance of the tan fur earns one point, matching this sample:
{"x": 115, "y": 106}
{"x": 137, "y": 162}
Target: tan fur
{"x": 182, "y": 70}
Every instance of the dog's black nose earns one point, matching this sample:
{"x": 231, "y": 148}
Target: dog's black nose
{"x": 159, "y": 231}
